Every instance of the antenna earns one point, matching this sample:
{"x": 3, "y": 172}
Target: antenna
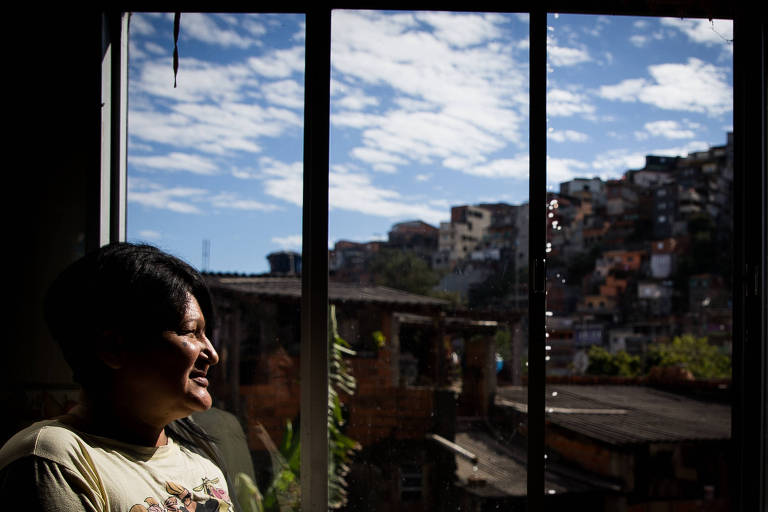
{"x": 206, "y": 254}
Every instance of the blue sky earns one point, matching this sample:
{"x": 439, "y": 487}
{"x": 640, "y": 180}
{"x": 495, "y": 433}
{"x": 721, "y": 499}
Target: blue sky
{"x": 428, "y": 110}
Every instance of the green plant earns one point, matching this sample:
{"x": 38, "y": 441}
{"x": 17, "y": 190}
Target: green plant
{"x": 248, "y": 495}
{"x": 696, "y": 355}
{"x": 602, "y": 362}
{"x": 342, "y": 447}
{"x": 283, "y": 492}
{"x": 379, "y": 339}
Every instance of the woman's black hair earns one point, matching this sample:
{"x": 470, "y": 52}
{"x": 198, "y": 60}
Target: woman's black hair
{"x": 133, "y": 290}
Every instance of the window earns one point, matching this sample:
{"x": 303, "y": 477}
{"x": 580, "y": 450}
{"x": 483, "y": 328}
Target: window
{"x": 56, "y": 247}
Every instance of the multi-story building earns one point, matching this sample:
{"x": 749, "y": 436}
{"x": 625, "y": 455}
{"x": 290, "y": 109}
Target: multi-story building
{"x": 591, "y": 189}
{"x": 459, "y": 237}
{"x": 348, "y": 261}
{"x": 414, "y": 236}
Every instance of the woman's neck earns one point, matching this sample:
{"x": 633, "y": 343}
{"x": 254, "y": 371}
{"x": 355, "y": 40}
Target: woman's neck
{"x": 108, "y": 418}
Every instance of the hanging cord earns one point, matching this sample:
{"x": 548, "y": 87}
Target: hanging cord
{"x": 176, "y": 25}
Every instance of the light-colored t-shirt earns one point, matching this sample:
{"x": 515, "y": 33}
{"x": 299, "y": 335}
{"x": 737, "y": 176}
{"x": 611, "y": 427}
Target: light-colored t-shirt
{"x": 76, "y": 471}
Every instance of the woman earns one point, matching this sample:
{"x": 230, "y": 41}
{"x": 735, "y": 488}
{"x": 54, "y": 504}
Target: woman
{"x": 133, "y": 323}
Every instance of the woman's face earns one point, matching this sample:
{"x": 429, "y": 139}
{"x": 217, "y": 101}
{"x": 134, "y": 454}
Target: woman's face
{"x": 169, "y": 375}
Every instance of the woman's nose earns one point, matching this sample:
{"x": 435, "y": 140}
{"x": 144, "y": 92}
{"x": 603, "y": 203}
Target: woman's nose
{"x": 210, "y": 351}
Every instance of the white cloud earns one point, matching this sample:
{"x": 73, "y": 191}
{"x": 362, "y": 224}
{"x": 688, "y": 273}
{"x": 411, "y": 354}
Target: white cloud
{"x": 455, "y": 95}
{"x": 562, "y": 103}
{"x": 639, "y": 40}
{"x": 285, "y": 93}
{"x": 189, "y": 199}
{"x": 461, "y": 30}
{"x": 229, "y": 200}
{"x": 517, "y": 168}
{"x": 615, "y": 162}
{"x": 175, "y": 199}
{"x": 155, "y": 49}
{"x": 596, "y": 30}
{"x": 626, "y": 90}
{"x": 708, "y": 32}
{"x": 254, "y": 27}
{"x": 283, "y": 180}
{"x": 564, "y": 169}
{"x": 204, "y": 28}
{"x": 140, "y": 24}
{"x": 149, "y": 234}
{"x": 355, "y": 192}
{"x": 381, "y": 161}
{"x": 668, "y": 129}
{"x": 177, "y": 162}
{"x": 689, "y": 147}
{"x": 280, "y": 63}
{"x": 567, "y": 136}
{"x": 356, "y": 100}
{"x": 288, "y": 242}
{"x": 646, "y": 37}
{"x": 196, "y": 80}
{"x": 219, "y": 108}
{"x": 215, "y": 129}
{"x": 695, "y": 86}
{"x": 565, "y": 56}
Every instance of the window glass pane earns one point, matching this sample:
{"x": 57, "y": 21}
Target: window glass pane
{"x": 215, "y": 177}
{"x": 640, "y": 167}
{"x": 429, "y": 254}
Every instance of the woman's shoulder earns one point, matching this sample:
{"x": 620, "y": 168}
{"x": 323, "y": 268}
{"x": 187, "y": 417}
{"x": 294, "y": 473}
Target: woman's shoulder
{"x": 48, "y": 439}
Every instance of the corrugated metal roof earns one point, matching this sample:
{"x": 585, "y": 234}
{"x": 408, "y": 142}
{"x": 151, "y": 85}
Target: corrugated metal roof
{"x": 290, "y": 287}
{"x": 627, "y": 414}
{"x": 502, "y": 472}
{"x": 502, "y": 468}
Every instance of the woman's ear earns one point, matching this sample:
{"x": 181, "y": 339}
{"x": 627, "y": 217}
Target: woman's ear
{"x": 111, "y": 350}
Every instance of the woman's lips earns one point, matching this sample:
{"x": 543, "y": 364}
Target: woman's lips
{"x": 201, "y": 380}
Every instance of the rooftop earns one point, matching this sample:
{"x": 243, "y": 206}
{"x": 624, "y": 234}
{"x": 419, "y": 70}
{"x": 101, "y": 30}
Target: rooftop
{"x": 290, "y": 288}
{"x": 621, "y": 415}
{"x": 501, "y": 468}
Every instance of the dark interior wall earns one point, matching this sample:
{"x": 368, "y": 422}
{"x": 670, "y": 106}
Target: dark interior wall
{"x": 52, "y": 118}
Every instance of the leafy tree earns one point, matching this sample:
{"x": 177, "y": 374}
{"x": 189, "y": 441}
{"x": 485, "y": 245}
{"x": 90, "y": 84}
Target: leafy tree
{"x": 496, "y": 288}
{"x": 602, "y": 362}
{"x": 703, "y": 360}
{"x": 696, "y": 355}
{"x": 403, "y": 270}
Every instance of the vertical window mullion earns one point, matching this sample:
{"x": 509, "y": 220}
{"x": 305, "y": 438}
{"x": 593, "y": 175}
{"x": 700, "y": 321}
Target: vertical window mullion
{"x": 120, "y": 135}
{"x": 750, "y": 352}
{"x": 314, "y": 298}
{"x": 537, "y": 240}
{"x": 111, "y": 200}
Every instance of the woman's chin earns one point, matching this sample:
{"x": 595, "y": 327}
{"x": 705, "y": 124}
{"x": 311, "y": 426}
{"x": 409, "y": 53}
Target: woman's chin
{"x": 199, "y": 402}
